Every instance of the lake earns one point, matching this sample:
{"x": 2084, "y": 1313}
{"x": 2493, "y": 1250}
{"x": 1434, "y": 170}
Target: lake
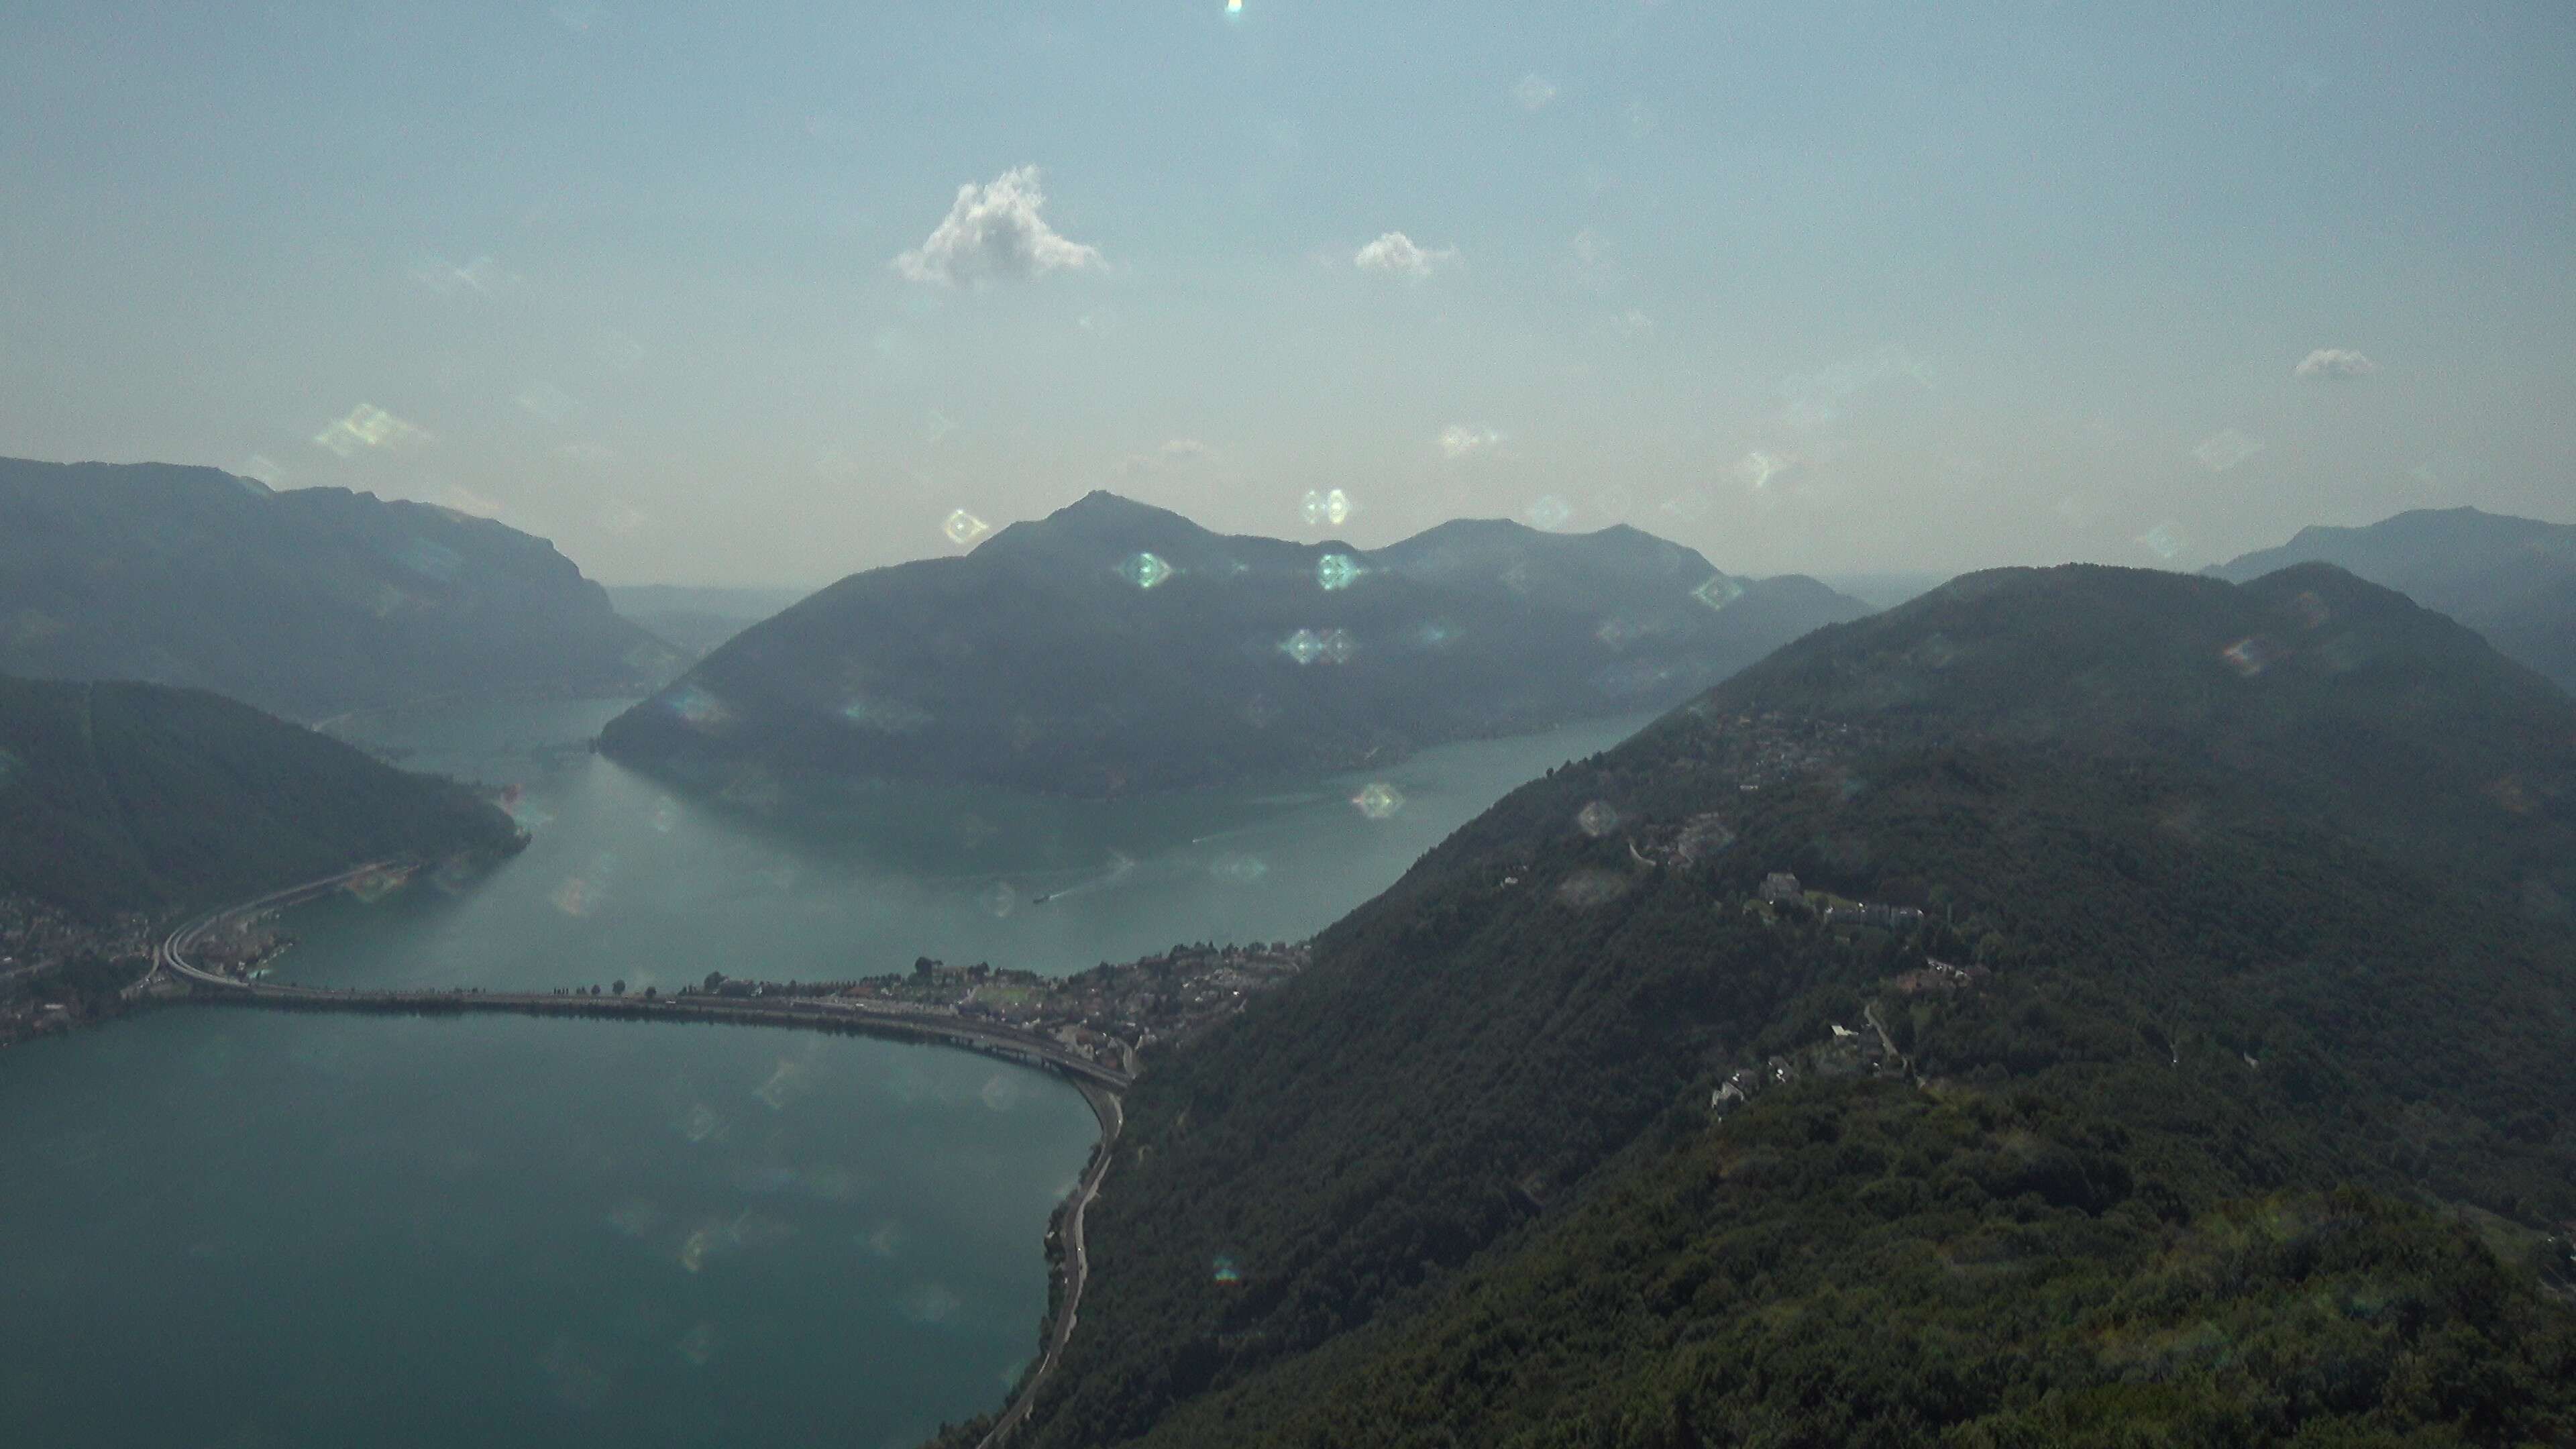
{"x": 239, "y": 1228}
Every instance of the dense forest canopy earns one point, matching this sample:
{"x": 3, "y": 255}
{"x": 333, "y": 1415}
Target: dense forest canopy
{"x": 2164, "y": 1045}
{"x": 134, "y": 797}
{"x": 1113, "y": 647}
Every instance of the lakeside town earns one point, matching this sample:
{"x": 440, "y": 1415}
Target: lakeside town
{"x": 1108, "y": 1014}
{"x": 58, "y": 970}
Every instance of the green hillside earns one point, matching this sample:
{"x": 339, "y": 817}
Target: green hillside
{"x": 2243, "y": 1116}
{"x": 306, "y": 603}
{"x": 1114, "y": 647}
{"x": 118, "y": 797}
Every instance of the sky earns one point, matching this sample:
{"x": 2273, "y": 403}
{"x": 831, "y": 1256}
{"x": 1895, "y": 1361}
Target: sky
{"x": 767, "y": 294}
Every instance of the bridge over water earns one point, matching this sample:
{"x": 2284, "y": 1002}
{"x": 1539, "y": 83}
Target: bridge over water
{"x": 1100, "y": 1085}
{"x": 822, "y": 1013}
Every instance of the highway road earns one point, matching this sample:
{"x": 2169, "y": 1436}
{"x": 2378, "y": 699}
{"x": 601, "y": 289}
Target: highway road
{"x": 1077, "y": 1264}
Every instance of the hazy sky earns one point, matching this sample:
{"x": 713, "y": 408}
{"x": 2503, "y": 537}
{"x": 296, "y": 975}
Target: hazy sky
{"x": 694, "y": 291}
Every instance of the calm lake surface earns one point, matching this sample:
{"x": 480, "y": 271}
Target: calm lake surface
{"x": 239, "y": 1228}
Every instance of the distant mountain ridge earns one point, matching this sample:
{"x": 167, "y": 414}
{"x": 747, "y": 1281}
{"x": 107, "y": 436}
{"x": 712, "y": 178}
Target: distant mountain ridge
{"x": 1114, "y": 646}
{"x": 2511, "y": 579}
{"x": 696, "y": 619}
{"x": 306, "y": 603}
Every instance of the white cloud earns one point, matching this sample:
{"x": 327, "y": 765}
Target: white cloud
{"x": 368, "y": 426}
{"x": 2334, "y": 362}
{"x": 1594, "y": 266}
{"x": 461, "y": 499}
{"x": 545, "y": 401}
{"x": 1633, "y": 323}
{"x": 1534, "y": 92}
{"x": 1396, "y": 255}
{"x": 1757, "y": 468}
{"x": 1172, "y": 453}
{"x": 448, "y": 279}
{"x": 995, "y": 233}
{"x": 1458, "y": 440}
{"x": 2225, "y": 449}
{"x": 1813, "y": 399}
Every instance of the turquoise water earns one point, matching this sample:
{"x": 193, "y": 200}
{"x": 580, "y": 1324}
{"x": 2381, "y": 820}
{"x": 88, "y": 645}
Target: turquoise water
{"x": 627, "y": 880}
{"x": 227, "y": 1227}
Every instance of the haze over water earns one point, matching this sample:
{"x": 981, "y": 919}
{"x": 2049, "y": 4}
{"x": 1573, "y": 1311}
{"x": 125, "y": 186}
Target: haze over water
{"x": 324, "y": 1230}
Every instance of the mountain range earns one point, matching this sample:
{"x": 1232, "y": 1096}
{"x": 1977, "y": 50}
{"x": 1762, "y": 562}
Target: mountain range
{"x": 2161, "y": 1042}
{"x": 1116, "y": 647}
{"x": 2511, "y": 579}
{"x": 306, "y": 603}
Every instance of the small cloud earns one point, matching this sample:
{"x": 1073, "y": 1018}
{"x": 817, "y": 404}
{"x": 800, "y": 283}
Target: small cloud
{"x": 448, "y": 279}
{"x": 465, "y": 500}
{"x": 996, "y": 233}
{"x": 1173, "y": 453}
{"x": 1593, "y": 264}
{"x": 548, "y": 402}
{"x": 263, "y": 468}
{"x": 1633, "y": 323}
{"x": 2329, "y": 363}
{"x": 1757, "y": 468}
{"x": 588, "y": 455}
{"x": 1395, "y": 255}
{"x": 617, "y": 350}
{"x": 1534, "y": 92}
{"x": 1813, "y": 399}
{"x": 622, "y": 518}
{"x": 368, "y": 426}
{"x": 580, "y": 18}
{"x": 2225, "y": 449}
{"x": 1641, "y": 122}
{"x": 2166, "y": 540}
{"x": 1458, "y": 440}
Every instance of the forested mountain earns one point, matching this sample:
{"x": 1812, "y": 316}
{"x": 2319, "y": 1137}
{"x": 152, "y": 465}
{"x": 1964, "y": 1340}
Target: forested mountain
{"x": 2219, "y": 1094}
{"x": 118, "y": 797}
{"x": 1114, "y": 647}
{"x": 2511, "y": 579}
{"x": 306, "y": 603}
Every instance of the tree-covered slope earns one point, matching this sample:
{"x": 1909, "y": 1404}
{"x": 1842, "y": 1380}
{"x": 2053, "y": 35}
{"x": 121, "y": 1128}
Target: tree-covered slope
{"x": 117, "y": 797}
{"x": 306, "y": 603}
{"x": 2186, "y": 1150}
{"x": 1116, "y": 647}
{"x": 2511, "y": 579}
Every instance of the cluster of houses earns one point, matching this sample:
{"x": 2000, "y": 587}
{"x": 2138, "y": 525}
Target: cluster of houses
{"x": 1768, "y": 748}
{"x": 1936, "y": 975}
{"x": 1848, "y": 1052}
{"x": 1106, "y": 1013}
{"x": 1781, "y": 888}
{"x": 36, "y": 942}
